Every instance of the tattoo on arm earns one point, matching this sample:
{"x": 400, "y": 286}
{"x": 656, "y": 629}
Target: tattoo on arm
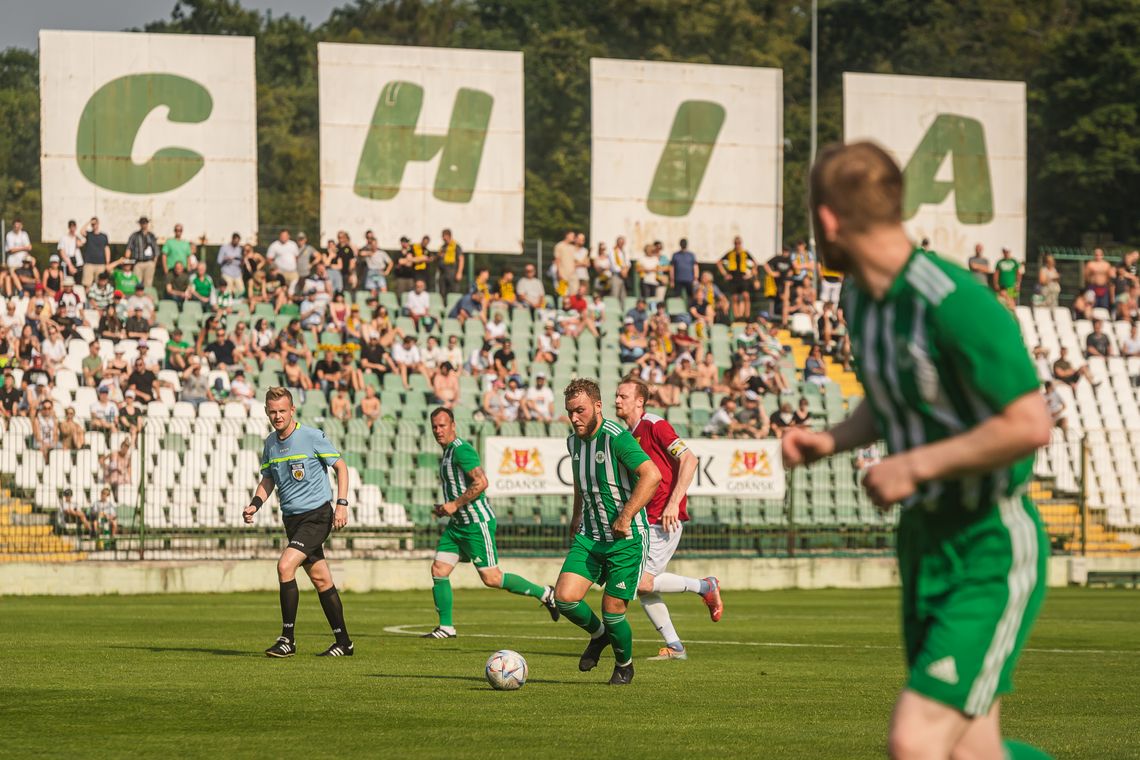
{"x": 477, "y": 484}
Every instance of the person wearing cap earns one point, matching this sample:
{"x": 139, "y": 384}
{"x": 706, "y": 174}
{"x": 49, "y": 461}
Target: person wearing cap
{"x": 549, "y": 343}
{"x": 68, "y": 307}
{"x": 28, "y": 276}
{"x": 52, "y": 277}
{"x": 538, "y": 403}
{"x": 404, "y": 269}
{"x": 104, "y": 412}
{"x": 240, "y": 389}
{"x": 177, "y": 351}
{"x": 110, "y": 326}
{"x": 750, "y": 420}
{"x": 71, "y": 511}
{"x": 123, "y": 275}
{"x": 102, "y": 293}
{"x": 142, "y": 249}
{"x": 374, "y": 357}
{"x": 137, "y": 326}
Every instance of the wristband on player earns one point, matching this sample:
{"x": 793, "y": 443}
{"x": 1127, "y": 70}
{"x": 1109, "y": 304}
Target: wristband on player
{"x": 256, "y": 502}
{"x": 342, "y": 502}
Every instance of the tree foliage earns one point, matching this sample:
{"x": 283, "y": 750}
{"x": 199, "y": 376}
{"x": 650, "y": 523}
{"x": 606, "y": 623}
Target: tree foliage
{"x": 1078, "y": 57}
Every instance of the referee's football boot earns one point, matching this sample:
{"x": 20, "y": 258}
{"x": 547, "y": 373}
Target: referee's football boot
{"x": 439, "y": 633}
{"x": 548, "y": 602}
{"x": 623, "y": 674}
{"x": 594, "y": 649}
{"x": 283, "y": 647}
{"x": 338, "y": 650}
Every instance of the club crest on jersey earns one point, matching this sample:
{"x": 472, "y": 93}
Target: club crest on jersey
{"x": 298, "y": 470}
{"x": 521, "y": 462}
{"x": 745, "y": 463}
{"x": 600, "y": 457}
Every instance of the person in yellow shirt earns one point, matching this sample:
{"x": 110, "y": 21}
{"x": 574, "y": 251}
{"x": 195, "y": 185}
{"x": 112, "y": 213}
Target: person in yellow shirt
{"x": 830, "y": 284}
{"x": 738, "y": 269}
{"x": 450, "y": 265}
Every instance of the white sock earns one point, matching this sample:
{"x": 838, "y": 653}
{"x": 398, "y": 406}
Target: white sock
{"x": 658, "y": 614}
{"x": 447, "y": 628}
{"x": 668, "y": 583}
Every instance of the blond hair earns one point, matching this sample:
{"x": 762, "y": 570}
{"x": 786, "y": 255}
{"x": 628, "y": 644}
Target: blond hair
{"x": 860, "y": 183}
{"x": 277, "y": 392}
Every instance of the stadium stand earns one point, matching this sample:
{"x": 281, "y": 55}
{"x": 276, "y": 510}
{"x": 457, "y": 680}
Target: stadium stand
{"x": 194, "y": 449}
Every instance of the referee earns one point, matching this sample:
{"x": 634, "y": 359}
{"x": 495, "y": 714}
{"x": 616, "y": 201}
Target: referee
{"x": 295, "y": 460}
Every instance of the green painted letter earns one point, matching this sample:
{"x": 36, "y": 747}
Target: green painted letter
{"x": 973, "y": 193}
{"x": 392, "y": 142}
{"x": 111, "y": 120}
{"x": 685, "y": 158}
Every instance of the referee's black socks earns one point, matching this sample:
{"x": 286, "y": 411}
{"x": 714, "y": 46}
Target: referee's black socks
{"x": 334, "y": 613}
{"x": 290, "y": 597}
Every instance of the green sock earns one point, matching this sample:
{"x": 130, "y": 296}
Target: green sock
{"x": 621, "y": 636}
{"x": 580, "y": 614}
{"x": 1019, "y": 751}
{"x": 517, "y": 584}
{"x": 441, "y": 592}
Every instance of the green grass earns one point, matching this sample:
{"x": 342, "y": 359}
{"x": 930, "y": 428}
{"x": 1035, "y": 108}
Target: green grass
{"x": 813, "y": 674}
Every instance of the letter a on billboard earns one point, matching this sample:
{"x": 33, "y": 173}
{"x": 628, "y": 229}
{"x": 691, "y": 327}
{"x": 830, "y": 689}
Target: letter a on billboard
{"x": 961, "y": 143}
{"x": 417, "y": 139}
{"x": 155, "y": 125}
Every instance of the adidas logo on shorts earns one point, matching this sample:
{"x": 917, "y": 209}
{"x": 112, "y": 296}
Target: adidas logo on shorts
{"x": 944, "y": 670}
{"x": 620, "y": 584}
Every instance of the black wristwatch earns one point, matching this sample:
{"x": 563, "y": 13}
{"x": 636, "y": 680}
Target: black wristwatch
{"x": 342, "y": 502}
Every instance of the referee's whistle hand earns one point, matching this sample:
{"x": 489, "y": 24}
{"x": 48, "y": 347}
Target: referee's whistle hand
{"x": 340, "y": 517}
{"x": 248, "y": 513}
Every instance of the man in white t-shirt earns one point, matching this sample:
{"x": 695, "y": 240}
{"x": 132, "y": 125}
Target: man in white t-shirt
{"x": 1130, "y": 346}
{"x": 284, "y": 252}
{"x": 379, "y": 265}
{"x": 104, "y": 412}
{"x": 539, "y": 401}
{"x": 17, "y": 244}
{"x": 407, "y": 357}
{"x": 70, "y": 251}
{"x": 417, "y": 302}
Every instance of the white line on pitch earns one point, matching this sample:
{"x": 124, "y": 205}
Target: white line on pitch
{"x": 402, "y": 630}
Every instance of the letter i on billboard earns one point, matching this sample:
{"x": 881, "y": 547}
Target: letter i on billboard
{"x": 686, "y": 151}
{"x": 961, "y": 144}
{"x": 155, "y": 125}
{"x": 421, "y": 139}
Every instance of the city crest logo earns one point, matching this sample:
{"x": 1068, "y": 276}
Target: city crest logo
{"x": 750, "y": 464}
{"x": 521, "y": 462}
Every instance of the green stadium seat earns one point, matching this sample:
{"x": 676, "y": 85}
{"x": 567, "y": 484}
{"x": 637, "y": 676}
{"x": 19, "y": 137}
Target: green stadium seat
{"x": 374, "y": 476}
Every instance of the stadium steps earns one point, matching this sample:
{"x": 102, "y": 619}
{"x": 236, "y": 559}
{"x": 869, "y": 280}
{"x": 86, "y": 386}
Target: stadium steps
{"x": 32, "y": 543}
{"x": 847, "y": 382}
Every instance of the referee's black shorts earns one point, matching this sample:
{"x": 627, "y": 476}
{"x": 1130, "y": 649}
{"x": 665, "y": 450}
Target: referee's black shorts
{"x": 307, "y": 531}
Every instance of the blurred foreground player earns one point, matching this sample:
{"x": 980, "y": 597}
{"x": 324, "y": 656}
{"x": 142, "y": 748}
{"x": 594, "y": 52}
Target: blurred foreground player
{"x": 952, "y": 389}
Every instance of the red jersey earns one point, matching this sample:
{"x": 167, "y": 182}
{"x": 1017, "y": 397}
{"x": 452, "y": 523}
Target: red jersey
{"x": 661, "y": 442}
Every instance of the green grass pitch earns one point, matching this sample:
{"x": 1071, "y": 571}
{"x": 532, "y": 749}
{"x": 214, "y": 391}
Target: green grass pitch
{"x": 786, "y": 674}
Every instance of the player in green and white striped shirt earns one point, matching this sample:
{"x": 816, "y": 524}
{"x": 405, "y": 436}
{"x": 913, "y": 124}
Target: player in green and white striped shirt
{"x": 951, "y": 387}
{"x": 470, "y": 535}
{"x": 613, "y": 481}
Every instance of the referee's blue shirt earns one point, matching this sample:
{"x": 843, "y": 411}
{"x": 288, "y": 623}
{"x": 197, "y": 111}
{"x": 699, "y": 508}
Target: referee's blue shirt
{"x": 299, "y": 466}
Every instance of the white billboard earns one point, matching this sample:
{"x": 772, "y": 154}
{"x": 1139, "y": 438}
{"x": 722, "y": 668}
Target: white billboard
{"x": 155, "y": 125}
{"x": 961, "y": 143}
{"x": 417, "y": 139}
{"x": 685, "y": 150}
{"x": 745, "y": 468}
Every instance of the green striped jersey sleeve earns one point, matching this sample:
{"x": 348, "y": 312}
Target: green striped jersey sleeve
{"x": 629, "y": 451}
{"x": 981, "y": 340}
{"x": 466, "y": 457}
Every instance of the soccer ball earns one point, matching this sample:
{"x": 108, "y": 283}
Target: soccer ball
{"x": 505, "y": 670}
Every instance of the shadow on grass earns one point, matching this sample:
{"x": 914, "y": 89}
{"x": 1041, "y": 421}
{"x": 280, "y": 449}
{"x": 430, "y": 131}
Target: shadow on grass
{"x": 198, "y": 650}
{"x": 473, "y": 679}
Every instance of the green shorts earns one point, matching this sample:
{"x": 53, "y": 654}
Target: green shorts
{"x": 617, "y": 565}
{"x": 970, "y": 596}
{"x": 474, "y": 543}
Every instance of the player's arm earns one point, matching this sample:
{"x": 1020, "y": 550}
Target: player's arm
{"x": 468, "y": 460}
{"x": 801, "y": 446}
{"x": 264, "y": 489}
{"x": 633, "y": 458}
{"x": 576, "y": 517}
{"x": 995, "y": 365}
{"x": 686, "y": 469}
